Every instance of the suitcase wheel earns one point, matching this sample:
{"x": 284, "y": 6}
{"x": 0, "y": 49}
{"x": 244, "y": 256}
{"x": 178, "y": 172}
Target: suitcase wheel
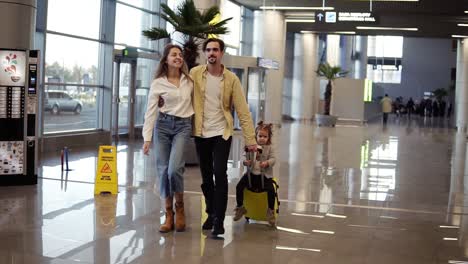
{"x": 247, "y": 219}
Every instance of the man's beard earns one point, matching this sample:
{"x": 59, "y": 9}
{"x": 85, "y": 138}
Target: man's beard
{"x": 210, "y": 61}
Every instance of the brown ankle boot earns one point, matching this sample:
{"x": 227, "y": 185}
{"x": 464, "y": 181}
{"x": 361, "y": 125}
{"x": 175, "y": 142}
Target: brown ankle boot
{"x": 169, "y": 224}
{"x": 180, "y": 215}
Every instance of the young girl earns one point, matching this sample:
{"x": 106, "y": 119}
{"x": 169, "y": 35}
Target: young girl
{"x": 264, "y": 163}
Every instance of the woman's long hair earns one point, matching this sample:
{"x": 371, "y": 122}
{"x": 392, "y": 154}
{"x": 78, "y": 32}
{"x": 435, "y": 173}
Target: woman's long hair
{"x": 162, "y": 67}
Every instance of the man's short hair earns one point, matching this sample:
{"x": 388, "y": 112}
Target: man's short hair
{"x": 220, "y": 42}
{"x": 386, "y": 94}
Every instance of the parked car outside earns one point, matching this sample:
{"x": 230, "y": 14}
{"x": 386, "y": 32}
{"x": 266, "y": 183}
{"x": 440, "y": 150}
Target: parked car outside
{"x": 61, "y": 101}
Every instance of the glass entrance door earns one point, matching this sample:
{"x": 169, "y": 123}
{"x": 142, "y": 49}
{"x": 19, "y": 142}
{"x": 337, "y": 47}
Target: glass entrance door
{"x": 123, "y": 98}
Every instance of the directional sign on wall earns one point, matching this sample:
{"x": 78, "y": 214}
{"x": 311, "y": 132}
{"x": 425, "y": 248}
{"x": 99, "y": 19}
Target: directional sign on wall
{"x": 330, "y": 17}
{"x": 356, "y": 17}
{"x": 320, "y": 17}
{"x": 345, "y": 17}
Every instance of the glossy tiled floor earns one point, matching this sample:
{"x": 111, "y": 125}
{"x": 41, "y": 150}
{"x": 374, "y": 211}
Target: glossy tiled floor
{"x": 349, "y": 194}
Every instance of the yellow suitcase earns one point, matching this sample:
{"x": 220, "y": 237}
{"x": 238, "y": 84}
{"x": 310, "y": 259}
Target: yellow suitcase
{"x": 256, "y": 204}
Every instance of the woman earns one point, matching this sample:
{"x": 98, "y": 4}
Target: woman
{"x": 171, "y": 92}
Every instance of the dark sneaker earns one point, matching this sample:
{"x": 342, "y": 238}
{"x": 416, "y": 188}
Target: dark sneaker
{"x": 208, "y": 224}
{"x": 271, "y": 217}
{"x": 218, "y": 228}
{"x": 239, "y": 212}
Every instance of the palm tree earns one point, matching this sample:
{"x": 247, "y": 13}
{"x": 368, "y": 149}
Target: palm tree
{"x": 194, "y": 25}
{"x": 330, "y": 73}
{"x": 440, "y": 93}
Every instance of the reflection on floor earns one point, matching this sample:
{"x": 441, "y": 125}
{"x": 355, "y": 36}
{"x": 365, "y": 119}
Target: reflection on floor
{"x": 350, "y": 194}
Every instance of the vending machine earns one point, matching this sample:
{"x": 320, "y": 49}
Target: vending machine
{"x": 18, "y": 116}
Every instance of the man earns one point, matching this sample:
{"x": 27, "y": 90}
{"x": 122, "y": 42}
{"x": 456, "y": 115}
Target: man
{"x": 216, "y": 91}
{"x": 386, "y": 103}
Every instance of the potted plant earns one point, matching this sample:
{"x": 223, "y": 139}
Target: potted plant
{"x": 194, "y": 25}
{"x": 330, "y": 73}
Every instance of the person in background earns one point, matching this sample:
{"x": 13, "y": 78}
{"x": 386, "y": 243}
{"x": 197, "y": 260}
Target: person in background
{"x": 386, "y": 103}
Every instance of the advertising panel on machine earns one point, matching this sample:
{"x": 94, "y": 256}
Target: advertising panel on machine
{"x": 12, "y": 68}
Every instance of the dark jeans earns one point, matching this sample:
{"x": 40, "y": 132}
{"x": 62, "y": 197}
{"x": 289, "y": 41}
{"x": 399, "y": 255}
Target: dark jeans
{"x": 256, "y": 181}
{"x": 385, "y": 118}
{"x": 213, "y": 155}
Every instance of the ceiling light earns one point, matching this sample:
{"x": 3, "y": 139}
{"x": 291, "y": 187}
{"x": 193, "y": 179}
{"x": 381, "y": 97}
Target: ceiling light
{"x": 387, "y": 28}
{"x": 462, "y": 25}
{"x": 299, "y": 14}
{"x": 457, "y": 262}
{"x": 459, "y": 36}
{"x": 395, "y": 0}
{"x": 451, "y": 227}
{"x": 331, "y": 33}
{"x": 343, "y": 32}
{"x": 450, "y": 238}
{"x": 466, "y": 12}
{"x": 300, "y": 20}
{"x": 297, "y": 8}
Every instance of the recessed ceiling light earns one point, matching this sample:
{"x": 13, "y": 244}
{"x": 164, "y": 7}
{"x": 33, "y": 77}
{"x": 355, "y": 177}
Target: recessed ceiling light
{"x": 462, "y": 25}
{"x": 300, "y": 20}
{"x": 299, "y": 14}
{"x": 343, "y": 32}
{"x": 450, "y": 238}
{"x": 466, "y": 12}
{"x": 330, "y": 33}
{"x": 459, "y": 36}
{"x": 387, "y": 28}
{"x": 297, "y": 8}
{"x": 396, "y": 0}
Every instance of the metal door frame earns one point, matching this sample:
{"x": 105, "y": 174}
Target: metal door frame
{"x": 118, "y": 60}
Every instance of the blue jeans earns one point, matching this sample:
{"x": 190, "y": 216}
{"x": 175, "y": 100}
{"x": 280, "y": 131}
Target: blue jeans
{"x": 172, "y": 135}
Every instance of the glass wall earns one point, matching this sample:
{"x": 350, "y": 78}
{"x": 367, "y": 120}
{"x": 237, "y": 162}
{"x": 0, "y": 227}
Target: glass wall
{"x": 385, "y": 55}
{"x": 130, "y": 21}
{"x": 145, "y": 73}
{"x": 77, "y": 56}
{"x": 232, "y": 39}
{"x": 71, "y": 66}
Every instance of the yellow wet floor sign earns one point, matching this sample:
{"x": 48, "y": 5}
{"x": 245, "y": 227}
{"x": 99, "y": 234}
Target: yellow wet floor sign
{"x": 106, "y": 172}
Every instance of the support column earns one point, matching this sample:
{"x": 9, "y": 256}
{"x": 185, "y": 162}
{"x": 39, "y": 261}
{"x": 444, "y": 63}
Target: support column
{"x": 269, "y": 42}
{"x": 304, "y": 96}
{"x": 17, "y": 24}
{"x": 333, "y": 50}
{"x": 461, "y": 90}
{"x": 347, "y": 46}
{"x": 360, "y": 68}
